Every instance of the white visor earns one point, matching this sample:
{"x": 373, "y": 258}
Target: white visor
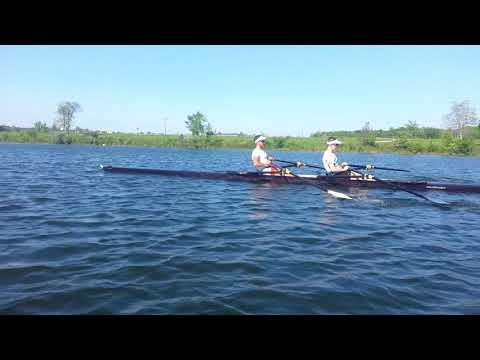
{"x": 334, "y": 142}
{"x": 261, "y": 138}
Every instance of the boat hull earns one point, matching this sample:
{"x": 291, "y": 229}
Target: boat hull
{"x": 300, "y": 179}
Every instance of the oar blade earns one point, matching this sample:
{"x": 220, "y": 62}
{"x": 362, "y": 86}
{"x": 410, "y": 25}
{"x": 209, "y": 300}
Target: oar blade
{"x": 339, "y": 195}
{"x": 335, "y": 194}
{"x": 439, "y": 202}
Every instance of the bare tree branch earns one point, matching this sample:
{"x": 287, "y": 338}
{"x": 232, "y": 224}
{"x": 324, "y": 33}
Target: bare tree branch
{"x": 460, "y": 116}
{"x": 66, "y": 111}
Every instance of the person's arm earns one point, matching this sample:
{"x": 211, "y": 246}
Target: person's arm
{"x": 337, "y": 168}
{"x": 258, "y": 163}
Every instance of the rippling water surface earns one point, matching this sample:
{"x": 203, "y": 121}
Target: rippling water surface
{"x": 76, "y": 240}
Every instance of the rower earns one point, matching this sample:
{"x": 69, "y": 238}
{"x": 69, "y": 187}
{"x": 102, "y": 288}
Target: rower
{"x": 330, "y": 161}
{"x": 261, "y": 161}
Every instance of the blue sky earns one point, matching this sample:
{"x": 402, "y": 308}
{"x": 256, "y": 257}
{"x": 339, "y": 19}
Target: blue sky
{"x": 277, "y": 90}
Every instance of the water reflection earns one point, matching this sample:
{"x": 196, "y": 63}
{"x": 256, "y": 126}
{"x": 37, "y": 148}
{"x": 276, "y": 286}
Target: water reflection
{"x": 261, "y": 197}
{"x": 360, "y": 193}
{"x": 328, "y": 215}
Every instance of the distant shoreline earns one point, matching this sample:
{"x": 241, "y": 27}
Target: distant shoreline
{"x": 288, "y": 144}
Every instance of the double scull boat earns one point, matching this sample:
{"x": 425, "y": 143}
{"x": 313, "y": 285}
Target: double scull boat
{"x": 347, "y": 181}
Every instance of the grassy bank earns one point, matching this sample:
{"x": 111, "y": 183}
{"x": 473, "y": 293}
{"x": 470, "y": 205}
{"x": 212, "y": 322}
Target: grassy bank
{"x": 444, "y": 145}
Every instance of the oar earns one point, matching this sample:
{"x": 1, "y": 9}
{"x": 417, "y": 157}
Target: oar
{"x": 335, "y": 194}
{"x": 436, "y": 202}
{"x": 371, "y": 167}
{"x": 367, "y": 167}
{"x": 303, "y": 164}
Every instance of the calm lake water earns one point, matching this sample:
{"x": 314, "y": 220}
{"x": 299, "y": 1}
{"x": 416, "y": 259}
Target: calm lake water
{"x": 77, "y": 240}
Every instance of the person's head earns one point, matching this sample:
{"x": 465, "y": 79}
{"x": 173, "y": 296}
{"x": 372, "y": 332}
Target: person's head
{"x": 260, "y": 141}
{"x": 333, "y": 144}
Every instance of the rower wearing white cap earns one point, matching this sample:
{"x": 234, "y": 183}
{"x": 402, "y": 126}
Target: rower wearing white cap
{"x": 330, "y": 161}
{"x": 261, "y": 161}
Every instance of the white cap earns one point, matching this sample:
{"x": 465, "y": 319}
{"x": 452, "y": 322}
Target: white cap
{"x": 261, "y": 138}
{"x": 334, "y": 142}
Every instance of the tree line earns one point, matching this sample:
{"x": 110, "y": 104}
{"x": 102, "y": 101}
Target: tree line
{"x": 459, "y": 121}
{"x": 461, "y": 127}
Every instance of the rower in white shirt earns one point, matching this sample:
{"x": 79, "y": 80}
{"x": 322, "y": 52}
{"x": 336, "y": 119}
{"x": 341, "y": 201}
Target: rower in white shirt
{"x": 330, "y": 161}
{"x": 261, "y": 161}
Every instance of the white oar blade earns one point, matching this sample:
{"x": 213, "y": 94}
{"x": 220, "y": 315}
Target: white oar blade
{"x": 339, "y": 195}
{"x": 439, "y": 202}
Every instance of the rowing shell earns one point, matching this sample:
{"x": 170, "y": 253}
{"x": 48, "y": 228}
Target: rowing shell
{"x": 299, "y": 179}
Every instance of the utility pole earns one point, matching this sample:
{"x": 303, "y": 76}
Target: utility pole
{"x": 165, "y": 119}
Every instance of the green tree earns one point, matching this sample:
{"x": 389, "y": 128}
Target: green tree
{"x": 66, "y": 112}
{"x": 94, "y": 135}
{"x": 196, "y": 123}
{"x": 412, "y": 128}
{"x": 209, "y": 130}
{"x": 317, "y": 134}
{"x": 279, "y": 142}
{"x": 476, "y": 133}
{"x": 456, "y": 146}
{"x": 401, "y": 143}
{"x": 367, "y": 135}
{"x": 40, "y": 127}
{"x": 63, "y": 139}
{"x": 431, "y": 133}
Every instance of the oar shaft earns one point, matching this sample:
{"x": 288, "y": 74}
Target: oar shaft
{"x": 374, "y": 178}
{"x": 375, "y": 167}
{"x": 400, "y": 188}
{"x": 295, "y": 164}
{"x": 350, "y": 165}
